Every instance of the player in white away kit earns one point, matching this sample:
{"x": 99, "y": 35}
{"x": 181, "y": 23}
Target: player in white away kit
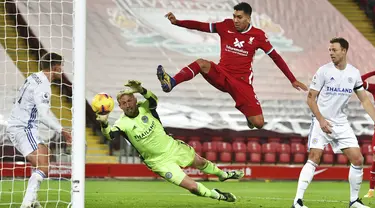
{"x": 330, "y": 91}
{"x": 31, "y": 108}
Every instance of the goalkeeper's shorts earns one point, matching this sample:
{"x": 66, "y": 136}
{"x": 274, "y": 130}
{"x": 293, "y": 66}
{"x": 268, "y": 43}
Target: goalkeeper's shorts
{"x": 182, "y": 155}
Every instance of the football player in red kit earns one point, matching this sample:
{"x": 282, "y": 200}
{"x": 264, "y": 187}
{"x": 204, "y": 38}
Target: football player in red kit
{"x": 371, "y": 88}
{"x": 234, "y": 73}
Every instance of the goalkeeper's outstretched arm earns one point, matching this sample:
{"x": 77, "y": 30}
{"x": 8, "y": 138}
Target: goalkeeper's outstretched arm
{"x": 109, "y": 132}
{"x": 151, "y": 98}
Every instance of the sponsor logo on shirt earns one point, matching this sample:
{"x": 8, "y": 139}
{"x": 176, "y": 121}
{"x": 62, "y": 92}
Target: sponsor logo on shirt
{"x": 146, "y": 133}
{"x": 340, "y": 90}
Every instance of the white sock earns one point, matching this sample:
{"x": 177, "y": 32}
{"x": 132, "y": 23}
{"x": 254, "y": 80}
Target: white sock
{"x": 33, "y": 186}
{"x": 355, "y": 181}
{"x": 305, "y": 178}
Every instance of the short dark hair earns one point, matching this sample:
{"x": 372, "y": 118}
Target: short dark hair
{"x": 343, "y": 43}
{"x": 245, "y": 7}
{"x": 48, "y": 60}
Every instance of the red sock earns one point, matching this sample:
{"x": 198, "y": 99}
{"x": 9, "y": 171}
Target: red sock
{"x": 187, "y": 73}
{"x": 372, "y": 176}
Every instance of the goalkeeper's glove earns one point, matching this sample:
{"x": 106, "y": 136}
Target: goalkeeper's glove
{"x": 135, "y": 86}
{"x": 103, "y": 119}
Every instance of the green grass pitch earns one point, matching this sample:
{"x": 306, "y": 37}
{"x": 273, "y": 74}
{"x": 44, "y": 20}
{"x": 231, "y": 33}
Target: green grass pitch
{"x": 157, "y": 194}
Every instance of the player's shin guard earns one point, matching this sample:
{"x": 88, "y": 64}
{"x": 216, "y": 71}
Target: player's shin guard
{"x": 305, "y": 178}
{"x": 187, "y": 73}
{"x": 355, "y": 181}
{"x": 33, "y": 186}
{"x": 205, "y": 192}
{"x": 211, "y": 168}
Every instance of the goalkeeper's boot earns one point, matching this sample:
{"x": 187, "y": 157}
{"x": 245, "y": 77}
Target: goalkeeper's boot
{"x": 357, "y": 204}
{"x": 299, "y": 204}
{"x": 234, "y": 174}
{"x": 167, "y": 82}
{"x": 370, "y": 194}
{"x": 226, "y": 196}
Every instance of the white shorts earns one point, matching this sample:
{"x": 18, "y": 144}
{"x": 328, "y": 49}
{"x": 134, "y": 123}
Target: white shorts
{"x": 342, "y": 137}
{"x": 25, "y": 140}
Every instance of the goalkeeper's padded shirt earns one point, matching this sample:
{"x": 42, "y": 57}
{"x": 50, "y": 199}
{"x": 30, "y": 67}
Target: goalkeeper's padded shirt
{"x": 145, "y": 131}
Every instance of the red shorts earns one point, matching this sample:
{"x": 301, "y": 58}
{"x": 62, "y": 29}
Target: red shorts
{"x": 241, "y": 90}
{"x": 373, "y": 143}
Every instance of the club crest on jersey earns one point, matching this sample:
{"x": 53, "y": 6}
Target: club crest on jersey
{"x": 144, "y": 119}
{"x": 168, "y": 175}
{"x": 350, "y": 80}
{"x": 142, "y": 22}
{"x": 251, "y": 39}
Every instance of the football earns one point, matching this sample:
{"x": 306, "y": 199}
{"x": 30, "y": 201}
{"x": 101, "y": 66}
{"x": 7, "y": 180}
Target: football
{"x": 102, "y": 103}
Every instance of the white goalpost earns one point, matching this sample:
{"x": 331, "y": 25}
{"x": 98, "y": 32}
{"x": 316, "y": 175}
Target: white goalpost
{"x": 79, "y": 107}
{"x": 28, "y": 29}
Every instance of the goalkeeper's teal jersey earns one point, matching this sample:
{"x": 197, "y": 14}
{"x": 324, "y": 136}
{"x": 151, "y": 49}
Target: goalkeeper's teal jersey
{"x": 145, "y": 132}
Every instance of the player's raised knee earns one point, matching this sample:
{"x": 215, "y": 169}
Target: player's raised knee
{"x": 204, "y": 65}
{"x": 258, "y": 124}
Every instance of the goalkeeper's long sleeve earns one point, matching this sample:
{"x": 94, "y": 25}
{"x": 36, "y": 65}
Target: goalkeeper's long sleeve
{"x": 151, "y": 98}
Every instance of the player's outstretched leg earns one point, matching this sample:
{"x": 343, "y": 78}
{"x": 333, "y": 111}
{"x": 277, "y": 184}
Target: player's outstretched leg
{"x": 209, "y": 167}
{"x": 189, "y": 72}
{"x": 200, "y": 190}
{"x": 167, "y": 82}
{"x": 370, "y": 192}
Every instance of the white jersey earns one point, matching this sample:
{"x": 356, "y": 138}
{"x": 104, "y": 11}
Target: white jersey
{"x": 33, "y": 105}
{"x": 335, "y": 87}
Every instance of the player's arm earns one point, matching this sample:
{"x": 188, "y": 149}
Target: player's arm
{"x": 151, "y": 98}
{"x": 267, "y": 47}
{"x": 367, "y": 75}
{"x": 362, "y": 96}
{"x": 190, "y": 24}
{"x": 369, "y": 87}
{"x": 110, "y": 132}
{"x": 366, "y": 103}
{"x": 136, "y": 87}
{"x": 311, "y": 102}
{"x": 316, "y": 86}
{"x": 42, "y": 100}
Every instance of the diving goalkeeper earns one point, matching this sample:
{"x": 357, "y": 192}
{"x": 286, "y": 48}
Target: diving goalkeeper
{"x": 140, "y": 125}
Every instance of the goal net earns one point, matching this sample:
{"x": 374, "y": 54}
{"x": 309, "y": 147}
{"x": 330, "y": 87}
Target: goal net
{"x": 28, "y": 30}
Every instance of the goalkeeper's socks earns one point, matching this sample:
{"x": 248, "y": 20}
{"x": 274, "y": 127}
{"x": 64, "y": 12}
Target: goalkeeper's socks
{"x": 187, "y": 73}
{"x": 355, "y": 181}
{"x": 305, "y": 178}
{"x": 211, "y": 168}
{"x": 33, "y": 186}
{"x": 205, "y": 192}
{"x": 372, "y": 176}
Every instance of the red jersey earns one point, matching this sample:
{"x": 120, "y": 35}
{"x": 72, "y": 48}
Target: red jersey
{"x": 369, "y": 87}
{"x": 238, "y": 48}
